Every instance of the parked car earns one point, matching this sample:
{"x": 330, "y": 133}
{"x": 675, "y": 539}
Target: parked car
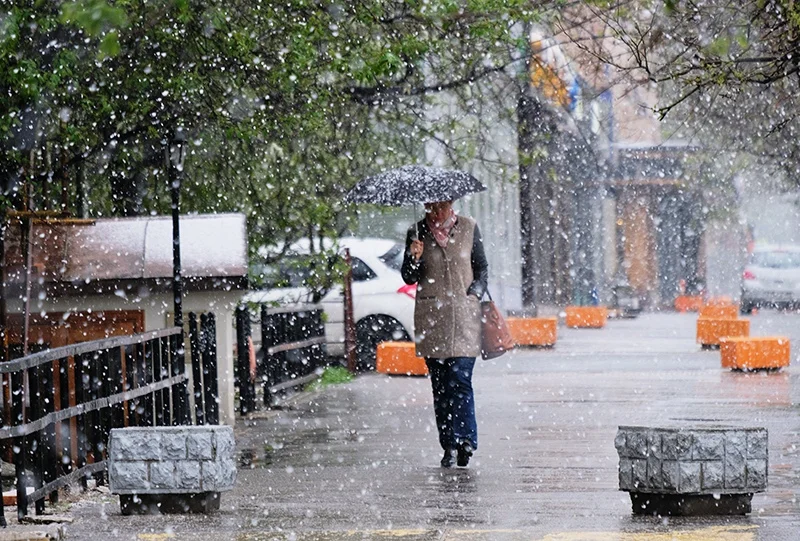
{"x": 383, "y": 304}
{"x": 771, "y": 278}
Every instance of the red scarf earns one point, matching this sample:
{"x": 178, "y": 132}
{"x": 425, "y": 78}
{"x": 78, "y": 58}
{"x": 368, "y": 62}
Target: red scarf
{"x": 441, "y": 232}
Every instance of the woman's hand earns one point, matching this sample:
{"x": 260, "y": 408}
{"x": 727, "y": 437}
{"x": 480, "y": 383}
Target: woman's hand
{"x": 416, "y": 249}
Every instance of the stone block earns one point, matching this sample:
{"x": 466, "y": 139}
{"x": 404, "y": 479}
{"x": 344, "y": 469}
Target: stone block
{"x": 676, "y": 446}
{"x": 670, "y": 475}
{"x": 757, "y": 444}
{"x": 713, "y": 475}
{"x": 227, "y": 473}
{"x": 639, "y": 469}
{"x": 210, "y": 472}
{"x": 654, "y": 445}
{"x": 128, "y": 476}
{"x": 134, "y": 446}
{"x": 756, "y": 474}
{"x": 224, "y": 442}
{"x": 173, "y": 446}
{"x": 637, "y": 444}
{"x": 735, "y": 445}
{"x": 199, "y": 446}
{"x": 188, "y": 474}
{"x": 625, "y": 474}
{"x": 689, "y": 477}
{"x": 162, "y": 474}
{"x": 735, "y": 472}
{"x": 621, "y": 444}
{"x": 708, "y": 446}
{"x": 654, "y": 473}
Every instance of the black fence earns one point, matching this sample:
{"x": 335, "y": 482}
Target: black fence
{"x": 291, "y": 353}
{"x": 62, "y": 403}
{"x": 203, "y": 350}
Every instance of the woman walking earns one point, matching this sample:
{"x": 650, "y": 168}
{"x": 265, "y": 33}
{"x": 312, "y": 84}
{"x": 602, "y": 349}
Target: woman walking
{"x": 445, "y": 257}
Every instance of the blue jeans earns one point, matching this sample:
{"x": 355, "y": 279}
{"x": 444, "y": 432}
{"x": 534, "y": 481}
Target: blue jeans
{"x": 453, "y": 400}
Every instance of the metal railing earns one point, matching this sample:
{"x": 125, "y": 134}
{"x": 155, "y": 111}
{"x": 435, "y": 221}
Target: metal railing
{"x": 203, "y": 349}
{"x": 292, "y": 351}
{"x": 63, "y": 402}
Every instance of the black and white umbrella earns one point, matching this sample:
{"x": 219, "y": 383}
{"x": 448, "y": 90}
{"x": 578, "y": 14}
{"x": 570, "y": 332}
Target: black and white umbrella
{"x": 414, "y": 184}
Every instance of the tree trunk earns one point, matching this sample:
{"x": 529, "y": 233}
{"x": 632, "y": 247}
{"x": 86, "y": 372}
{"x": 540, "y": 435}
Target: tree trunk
{"x": 535, "y": 129}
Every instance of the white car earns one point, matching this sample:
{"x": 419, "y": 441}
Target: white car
{"x": 383, "y": 304}
{"x": 771, "y": 278}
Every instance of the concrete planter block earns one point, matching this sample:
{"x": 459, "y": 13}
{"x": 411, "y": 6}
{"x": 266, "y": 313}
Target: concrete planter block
{"x": 688, "y": 471}
{"x": 755, "y": 353}
{"x": 688, "y": 303}
{"x": 399, "y": 358}
{"x": 533, "y": 331}
{"x": 711, "y": 330}
{"x": 586, "y": 317}
{"x": 719, "y": 311}
{"x": 171, "y": 469}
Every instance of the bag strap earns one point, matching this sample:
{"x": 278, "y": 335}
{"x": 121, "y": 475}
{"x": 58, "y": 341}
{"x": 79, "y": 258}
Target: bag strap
{"x": 486, "y": 293}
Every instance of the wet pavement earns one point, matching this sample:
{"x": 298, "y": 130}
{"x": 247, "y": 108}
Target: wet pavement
{"x": 360, "y": 460}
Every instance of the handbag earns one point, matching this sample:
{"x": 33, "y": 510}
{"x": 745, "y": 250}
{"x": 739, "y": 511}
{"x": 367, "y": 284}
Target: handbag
{"x": 495, "y": 337}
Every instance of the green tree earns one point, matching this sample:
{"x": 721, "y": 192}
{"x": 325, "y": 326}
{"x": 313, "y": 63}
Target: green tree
{"x": 286, "y": 104}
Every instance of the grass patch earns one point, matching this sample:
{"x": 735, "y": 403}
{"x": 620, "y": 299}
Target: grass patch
{"x": 332, "y": 375}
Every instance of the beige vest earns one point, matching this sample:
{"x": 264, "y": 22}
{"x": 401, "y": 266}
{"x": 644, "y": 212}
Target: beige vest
{"x": 447, "y": 320}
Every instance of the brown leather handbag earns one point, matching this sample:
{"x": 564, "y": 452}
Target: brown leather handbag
{"x": 495, "y": 337}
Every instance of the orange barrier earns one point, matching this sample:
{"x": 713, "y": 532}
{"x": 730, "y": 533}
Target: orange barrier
{"x": 688, "y": 303}
{"x": 754, "y": 353}
{"x": 399, "y": 358}
{"x": 719, "y": 311}
{"x": 586, "y": 317}
{"x": 720, "y": 300}
{"x": 533, "y": 331}
{"x": 711, "y": 330}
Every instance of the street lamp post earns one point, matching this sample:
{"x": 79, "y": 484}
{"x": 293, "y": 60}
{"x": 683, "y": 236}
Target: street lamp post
{"x": 177, "y": 156}
{"x": 180, "y": 391}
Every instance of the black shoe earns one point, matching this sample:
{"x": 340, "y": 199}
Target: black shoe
{"x": 449, "y": 458}
{"x": 465, "y": 451}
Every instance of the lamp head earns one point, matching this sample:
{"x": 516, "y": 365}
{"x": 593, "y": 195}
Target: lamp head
{"x": 177, "y": 151}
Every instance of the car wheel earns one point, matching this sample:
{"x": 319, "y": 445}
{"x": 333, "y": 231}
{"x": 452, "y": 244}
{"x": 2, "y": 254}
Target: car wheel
{"x": 746, "y": 307}
{"x": 370, "y": 332}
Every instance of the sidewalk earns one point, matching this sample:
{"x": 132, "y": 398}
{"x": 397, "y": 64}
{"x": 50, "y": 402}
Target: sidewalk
{"x": 360, "y": 461}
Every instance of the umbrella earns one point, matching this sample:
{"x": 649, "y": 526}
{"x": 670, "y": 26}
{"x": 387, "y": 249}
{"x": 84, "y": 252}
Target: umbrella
{"x": 414, "y": 184}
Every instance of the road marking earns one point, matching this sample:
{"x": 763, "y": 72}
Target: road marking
{"x": 712, "y": 533}
{"x": 154, "y": 536}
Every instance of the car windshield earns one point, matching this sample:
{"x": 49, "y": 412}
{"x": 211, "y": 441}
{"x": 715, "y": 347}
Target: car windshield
{"x": 394, "y": 257}
{"x": 777, "y": 260}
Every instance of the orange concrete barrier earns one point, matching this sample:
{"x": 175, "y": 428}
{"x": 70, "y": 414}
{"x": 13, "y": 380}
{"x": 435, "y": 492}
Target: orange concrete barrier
{"x": 755, "y": 352}
{"x": 533, "y": 331}
{"x": 720, "y": 300}
{"x": 688, "y": 303}
{"x": 719, "y": 311}
{"x": 587, "y": 317}
{"x": 711, "y": 330}
{"x": 399, "y": 358}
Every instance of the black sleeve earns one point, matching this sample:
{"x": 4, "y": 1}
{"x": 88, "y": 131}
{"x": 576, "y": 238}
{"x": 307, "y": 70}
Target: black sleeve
{"x": 480, "y": 267}
{"x": 411, "y": 267}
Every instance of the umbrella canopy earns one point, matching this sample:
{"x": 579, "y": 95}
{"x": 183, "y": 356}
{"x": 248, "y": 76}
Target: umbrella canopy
{"x": 414, "y": 184}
